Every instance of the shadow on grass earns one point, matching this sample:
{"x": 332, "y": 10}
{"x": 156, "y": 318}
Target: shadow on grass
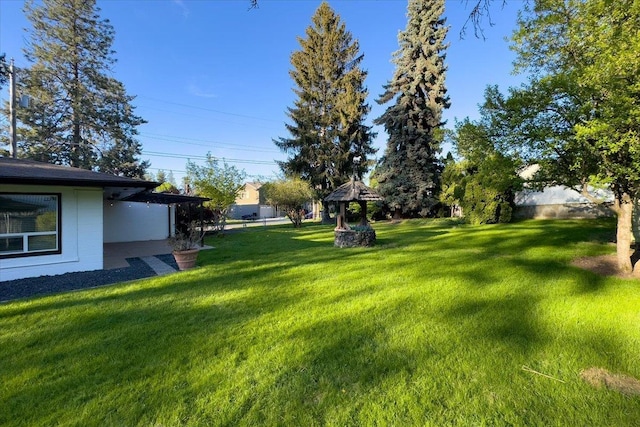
{"x": 472, "y": 253}
{"x": 120, "y": 336}
{"x": 509, "y": 322}
{"x": 339, "y": 359}
{"x": 121, "y": 341}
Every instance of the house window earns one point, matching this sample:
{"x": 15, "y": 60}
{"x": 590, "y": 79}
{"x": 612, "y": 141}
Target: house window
{"x": 29, "y": 224}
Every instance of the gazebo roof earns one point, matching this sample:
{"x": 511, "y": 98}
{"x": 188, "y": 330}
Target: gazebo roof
{"x": 353, "y": 191}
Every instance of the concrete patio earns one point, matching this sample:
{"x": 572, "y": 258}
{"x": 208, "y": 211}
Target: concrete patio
{"x": 115, "y": 254}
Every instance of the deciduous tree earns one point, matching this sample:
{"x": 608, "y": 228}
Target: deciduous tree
{"x": 579, "y": 114}
{"x": 219, "y": 182}
{"x": 289, "y": 195}
{"x": 484, "y": 181}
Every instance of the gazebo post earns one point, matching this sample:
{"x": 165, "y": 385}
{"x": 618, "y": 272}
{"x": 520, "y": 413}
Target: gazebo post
{"x": 341, "y": 222}
{"x": 363, "y": 210}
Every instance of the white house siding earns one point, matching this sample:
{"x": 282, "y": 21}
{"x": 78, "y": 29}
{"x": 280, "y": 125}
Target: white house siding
{"x": 132, "y": 222}
{"x": 81, "y": 232}
{"x": 558, "y": 202}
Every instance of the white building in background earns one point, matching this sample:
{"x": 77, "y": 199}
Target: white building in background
{"x": 558, "y": 201}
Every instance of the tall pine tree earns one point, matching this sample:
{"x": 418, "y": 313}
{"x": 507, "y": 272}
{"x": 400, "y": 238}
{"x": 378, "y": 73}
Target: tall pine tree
{"x": 328, "y": 130}
{"x": 409, "y": 172}
{"x": 78, "y": 114}
{"x": 4, "y": 69}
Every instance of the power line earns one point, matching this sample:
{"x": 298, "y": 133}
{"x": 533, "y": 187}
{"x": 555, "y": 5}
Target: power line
{"x": 253, "y": 125}
{"x": 181, "y": 172}
{"x": 200, "y": 157}
{"x": 208, "y": 109}
{"x": 185, "y": 140}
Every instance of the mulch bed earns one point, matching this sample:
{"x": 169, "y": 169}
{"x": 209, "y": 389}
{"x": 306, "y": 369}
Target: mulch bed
{"x": 46, "y": 285}
{"x": 604, "y": 265}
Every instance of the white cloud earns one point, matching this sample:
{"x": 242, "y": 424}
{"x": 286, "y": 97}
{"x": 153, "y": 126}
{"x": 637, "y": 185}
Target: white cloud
{"x": 181, "y": 5}
{"x": 202, "y": 92}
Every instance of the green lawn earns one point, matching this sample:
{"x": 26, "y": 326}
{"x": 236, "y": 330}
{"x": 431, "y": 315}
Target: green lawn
{"x": 433, "y": 326}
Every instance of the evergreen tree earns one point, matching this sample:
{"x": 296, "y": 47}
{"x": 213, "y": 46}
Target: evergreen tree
{"x": 328, "y": 130}
{"x": 78, "y": 115}
{"x": 171, "y": 179}
{"x": 4, "y": 70}
{"x": 409, "y": 172}
{"x": 161, "y": 176}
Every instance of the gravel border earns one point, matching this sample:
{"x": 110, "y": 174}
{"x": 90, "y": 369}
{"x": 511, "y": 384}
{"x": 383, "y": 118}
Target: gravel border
{"x": 47, "y": 285}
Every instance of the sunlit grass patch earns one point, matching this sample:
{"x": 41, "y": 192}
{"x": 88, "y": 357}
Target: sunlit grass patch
{"x": 432, "y": 326}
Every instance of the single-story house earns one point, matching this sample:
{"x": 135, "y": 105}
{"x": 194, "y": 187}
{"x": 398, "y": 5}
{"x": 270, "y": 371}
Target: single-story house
{"x": 55, "y": 219}
{"x": 558, "y": 201}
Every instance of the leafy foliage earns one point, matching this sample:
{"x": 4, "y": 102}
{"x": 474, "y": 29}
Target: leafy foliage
{"x": 289, "y": 195}
{"x": 485, "y": 181}
{"x": 220, "y": 183}
{"x": 452, "y": 185}
{"x": 78, "y": 114}
{"x": 167, "y": 187}
{"x": 409, "y": 172}
{"x": 578, "y": 115}
{"x": 328, "y": 130}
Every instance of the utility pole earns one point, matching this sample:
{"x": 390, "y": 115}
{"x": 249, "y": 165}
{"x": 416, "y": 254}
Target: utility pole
{"x": 12, "y": 111}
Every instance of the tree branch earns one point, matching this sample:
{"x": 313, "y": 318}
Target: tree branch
{"x": 584, "y": 191}
{"x": 480, "y": 10}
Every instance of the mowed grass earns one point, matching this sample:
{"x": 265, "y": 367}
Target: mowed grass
{"x": 433, "y": 326}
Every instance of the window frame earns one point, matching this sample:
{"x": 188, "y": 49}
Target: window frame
{"x": 58, "y": 231}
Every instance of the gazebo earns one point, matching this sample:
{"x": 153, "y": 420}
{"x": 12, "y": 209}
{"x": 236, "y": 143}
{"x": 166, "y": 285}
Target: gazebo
{"x": 362, "y": 234}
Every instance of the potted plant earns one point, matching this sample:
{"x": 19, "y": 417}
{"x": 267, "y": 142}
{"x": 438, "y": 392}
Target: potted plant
{"x": 185, "y": 246}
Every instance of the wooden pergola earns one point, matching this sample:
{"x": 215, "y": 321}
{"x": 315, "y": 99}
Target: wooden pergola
{"x": 352, "y": 191}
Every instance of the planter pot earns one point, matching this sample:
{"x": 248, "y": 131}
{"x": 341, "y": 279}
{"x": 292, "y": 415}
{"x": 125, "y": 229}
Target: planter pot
{"x": 186, "y": 259}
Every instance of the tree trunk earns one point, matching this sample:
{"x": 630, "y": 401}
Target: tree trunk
{"x": 623, "y": 208}
{"x": 363, "y": 210}
{"x": 624, "y": 211}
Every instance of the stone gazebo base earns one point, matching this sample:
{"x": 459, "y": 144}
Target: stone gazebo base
{"x": 354, "y": 238}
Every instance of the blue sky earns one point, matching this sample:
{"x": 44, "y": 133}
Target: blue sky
{"x": 213, "y": 76}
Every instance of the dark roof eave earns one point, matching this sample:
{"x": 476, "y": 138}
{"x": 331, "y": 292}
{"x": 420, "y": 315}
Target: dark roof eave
{"x": 30, "y": 172}
{"x": 81, "y": 182}
{"x": 164, "y": 198}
